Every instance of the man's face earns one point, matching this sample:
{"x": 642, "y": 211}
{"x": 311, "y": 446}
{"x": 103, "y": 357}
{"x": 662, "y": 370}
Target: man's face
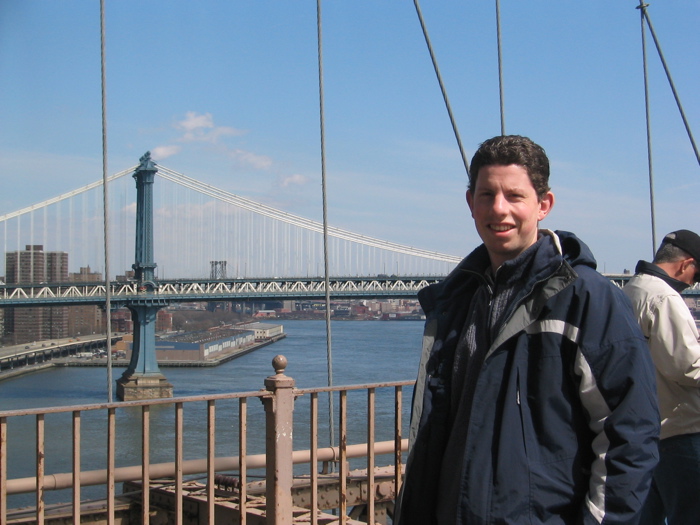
{"x": 506, "y": 211}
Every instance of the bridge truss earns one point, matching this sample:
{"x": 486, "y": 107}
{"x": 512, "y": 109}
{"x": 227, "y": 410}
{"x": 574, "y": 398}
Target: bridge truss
{"x": 214, "y": 290}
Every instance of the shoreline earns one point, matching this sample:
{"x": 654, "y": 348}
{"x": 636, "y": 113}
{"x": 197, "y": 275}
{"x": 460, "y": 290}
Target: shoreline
{"x": 123, "y": 363}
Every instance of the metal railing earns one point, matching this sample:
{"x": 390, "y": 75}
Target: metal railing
{"x": 172, "y": 418}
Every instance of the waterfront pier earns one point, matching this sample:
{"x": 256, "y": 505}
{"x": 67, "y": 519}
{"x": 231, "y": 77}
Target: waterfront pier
{"x": 22, "y": 359}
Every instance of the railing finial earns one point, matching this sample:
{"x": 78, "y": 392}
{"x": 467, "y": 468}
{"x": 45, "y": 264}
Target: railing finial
{"x": 279, "y": 363}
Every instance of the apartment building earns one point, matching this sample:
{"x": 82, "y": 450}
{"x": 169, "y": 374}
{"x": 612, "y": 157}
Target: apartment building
{"x": 33, "y": 265}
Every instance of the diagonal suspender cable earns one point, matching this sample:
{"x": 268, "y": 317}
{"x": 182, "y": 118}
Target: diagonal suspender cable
{"x": 500, "y": 69}
{"x": 645, "y": 15}
{"x": 442, "y": 86}
{"x": 648, "y": 120}
{"x": 105, "y": 199}
{"x": 329, "y": 356}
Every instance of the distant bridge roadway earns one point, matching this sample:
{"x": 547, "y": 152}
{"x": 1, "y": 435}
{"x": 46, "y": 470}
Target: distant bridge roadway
{"x": 191, "y": 290}
{"x": 237, "y": 290}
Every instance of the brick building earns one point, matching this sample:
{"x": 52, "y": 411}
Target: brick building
{"x": 35, "y": 266}
{"x": 85, "y": 319}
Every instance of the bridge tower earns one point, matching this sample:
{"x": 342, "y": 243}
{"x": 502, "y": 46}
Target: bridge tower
{"x": 143, "y": 379}
{"x": 218, "y": 270}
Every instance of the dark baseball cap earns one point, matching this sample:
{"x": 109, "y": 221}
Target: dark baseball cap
{"x": 687, "y": 241}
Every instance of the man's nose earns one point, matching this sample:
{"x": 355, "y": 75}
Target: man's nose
{"x": 499, "y": 203}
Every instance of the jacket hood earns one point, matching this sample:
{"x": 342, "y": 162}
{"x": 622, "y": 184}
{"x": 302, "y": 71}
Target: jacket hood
{"x": 575, "y": 251}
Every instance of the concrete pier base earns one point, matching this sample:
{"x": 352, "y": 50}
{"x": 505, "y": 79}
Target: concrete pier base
{"x": 139, "y": 387}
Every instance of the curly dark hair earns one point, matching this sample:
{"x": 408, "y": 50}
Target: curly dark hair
{"x": 505, "y": 150}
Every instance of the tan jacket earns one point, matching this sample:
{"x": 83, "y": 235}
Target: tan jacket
{"x": 675, "y": 349}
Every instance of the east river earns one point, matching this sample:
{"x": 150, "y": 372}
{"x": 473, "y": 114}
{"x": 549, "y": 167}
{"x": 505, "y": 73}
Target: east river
{"x": 362, "y": 352}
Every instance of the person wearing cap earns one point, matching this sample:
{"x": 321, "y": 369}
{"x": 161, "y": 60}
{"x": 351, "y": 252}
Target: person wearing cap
{"x": 666, "y": 321}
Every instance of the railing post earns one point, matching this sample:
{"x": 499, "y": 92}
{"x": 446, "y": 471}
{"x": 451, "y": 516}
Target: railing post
{"x": 279, "y": 423}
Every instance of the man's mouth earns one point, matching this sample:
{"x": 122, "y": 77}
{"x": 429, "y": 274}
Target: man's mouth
{"x": 501, "y": 227}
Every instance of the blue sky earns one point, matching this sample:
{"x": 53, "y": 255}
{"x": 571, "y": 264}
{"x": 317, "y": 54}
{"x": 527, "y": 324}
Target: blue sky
{"x": 227, "y": 92}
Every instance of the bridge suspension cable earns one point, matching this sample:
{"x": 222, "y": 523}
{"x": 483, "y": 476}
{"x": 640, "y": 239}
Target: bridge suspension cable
{"x": 105, "y": 203}
{"x": 645, "y": 18}
{"x": 196, "y": 223}
{"x": 64, "y": 196}
{"x": 442, "y": 85}
{"x": 326, "y": 270}
{"x": 676, "y": 97}
{"x": 301, "y": 222}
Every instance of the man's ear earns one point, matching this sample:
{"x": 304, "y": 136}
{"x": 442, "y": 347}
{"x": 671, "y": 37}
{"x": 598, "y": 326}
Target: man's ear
{"x": 546, "y": 204}
{"x": 470, "y": 201}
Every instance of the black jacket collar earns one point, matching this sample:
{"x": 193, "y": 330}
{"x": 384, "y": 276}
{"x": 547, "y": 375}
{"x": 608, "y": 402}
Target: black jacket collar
{"x": 652, "y": 269}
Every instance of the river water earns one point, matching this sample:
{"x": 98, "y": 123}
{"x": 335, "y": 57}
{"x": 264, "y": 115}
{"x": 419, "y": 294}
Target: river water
{"x": 362, "y": 352}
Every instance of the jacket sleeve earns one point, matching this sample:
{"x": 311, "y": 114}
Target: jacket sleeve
{"x": 673, "y": 341}
{"x": 618, "y": 391}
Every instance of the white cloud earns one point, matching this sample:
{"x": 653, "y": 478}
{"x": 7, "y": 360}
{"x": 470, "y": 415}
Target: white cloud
{"x": 193, "y": 121}
{"x": 163, "y": 152}
{"x": 252, "y": 159}
{"x": 201, "y": 128}
{"x": 294, "y": 180}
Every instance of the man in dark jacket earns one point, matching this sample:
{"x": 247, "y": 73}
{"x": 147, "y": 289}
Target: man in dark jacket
{"x": 535, "y": 398}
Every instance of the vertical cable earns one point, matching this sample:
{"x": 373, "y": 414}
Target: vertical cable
{"x": 500, "y": 68}
{"x": 642, "y": 7}
{"x": 105, "y": 200}
{"x": 329, "y": 357}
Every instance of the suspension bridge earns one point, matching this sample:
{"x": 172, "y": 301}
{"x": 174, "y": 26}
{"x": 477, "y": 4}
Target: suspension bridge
{"x": 229, "y": 228}
{"x": 208, "y": 243}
